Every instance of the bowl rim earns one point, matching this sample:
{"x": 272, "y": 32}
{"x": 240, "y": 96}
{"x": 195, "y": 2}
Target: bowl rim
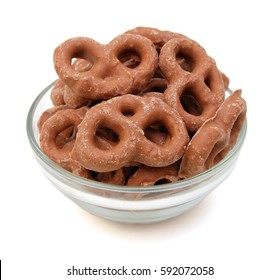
{"x": 104, "y": 186}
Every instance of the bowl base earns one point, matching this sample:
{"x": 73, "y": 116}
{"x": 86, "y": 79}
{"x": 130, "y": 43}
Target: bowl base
{"x": 138, "y": 217}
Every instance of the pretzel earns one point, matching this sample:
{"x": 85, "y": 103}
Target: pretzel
{"x": 155, "y": 85}
{"x": 195, "y": 101}
{"x": 108, "y": 76}
{"x": 62, "y": 94}
{"x": 158, "y": 37}
{"x": 150, "y": 176}
{"x": 48, "y": 113}
{"x": 57, "y": 93}
{"x": 197, "y": 77}
{"x": 124, "y": 112}
{"x": 215, "y": 138}
{"x": 57, "y": 136}
{"x": 128, "y": 117}
{"x": 116, "y": 177}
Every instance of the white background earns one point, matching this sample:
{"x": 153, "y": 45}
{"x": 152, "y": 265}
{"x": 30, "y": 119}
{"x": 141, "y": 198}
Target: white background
{"x": 235, "y": 229}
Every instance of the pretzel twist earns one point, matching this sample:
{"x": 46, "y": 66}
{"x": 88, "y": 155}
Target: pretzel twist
{"x": 110, "y": 74}
{"x": 150, "y": 176}
{"x": 215, "y": 138}
{"x": 128, "y": 117}
{"x": 57, "y": 135}
{"x": 124, "y": 112}
{"x": 196, "y": 78}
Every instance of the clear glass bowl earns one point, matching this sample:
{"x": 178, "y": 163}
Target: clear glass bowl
{"x": 128, "y": 204}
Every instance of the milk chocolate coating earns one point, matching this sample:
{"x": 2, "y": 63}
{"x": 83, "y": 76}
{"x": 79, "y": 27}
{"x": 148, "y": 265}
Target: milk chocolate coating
{"x": 199, "y": 78}
{"x": 150, "y": 176}
{"x": 194, "y": 86}
{"x": 108, "y": 76}
{"x": 57, "y": 136}
{"x": 134, "y": 104}
{"x": 62, "y": 94}
{"x": 158, "y": 37}
{"x": 48, "y": 113}
{"x": 215, "y": 138}
{"x": 129, "y": 116}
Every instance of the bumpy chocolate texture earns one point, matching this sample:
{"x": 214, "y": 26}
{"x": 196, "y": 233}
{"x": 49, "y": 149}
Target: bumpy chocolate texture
{"x": 147, "y": 108}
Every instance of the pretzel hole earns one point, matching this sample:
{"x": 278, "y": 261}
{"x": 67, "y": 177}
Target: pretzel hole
{"x": 209, "y": 80}
{"x": 82, "y": 64}
{"x": 102, "y": 176}
{"x": 162, "y": 181}
{"x": 215, "y": 156}
{"x": 130, "y": 58}
{"x": 159, "y": 85}
{"x": 105, "y": 138}
{"x": 128, "y": 112}
{"x": 157, "y": 133}
{"x": 189, "y": 103}
{"x": 128, "y": 108}
{"x": 185, "y": 61}
{"x": 65, "y": 137}
{"x": 220, "y": 149}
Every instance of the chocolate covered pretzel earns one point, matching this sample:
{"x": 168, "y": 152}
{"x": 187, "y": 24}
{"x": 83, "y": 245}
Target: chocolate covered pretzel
{"x": 147, "y": 108}
{"x": 128, "y": 117}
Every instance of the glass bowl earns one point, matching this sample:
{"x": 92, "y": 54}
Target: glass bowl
{"x": 128, "y": 204}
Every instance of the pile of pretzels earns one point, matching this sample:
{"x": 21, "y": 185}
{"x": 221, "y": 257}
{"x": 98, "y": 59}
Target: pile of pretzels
{"x": 147, "y": 108}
